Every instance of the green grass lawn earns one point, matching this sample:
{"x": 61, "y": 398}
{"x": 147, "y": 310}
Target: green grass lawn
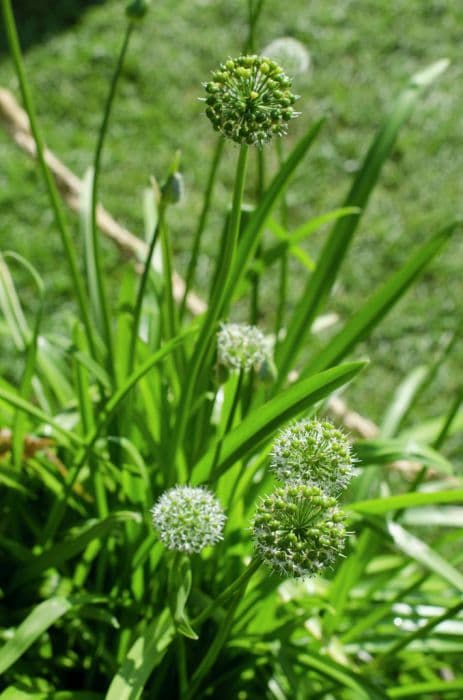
{"x": 362, "y": 54}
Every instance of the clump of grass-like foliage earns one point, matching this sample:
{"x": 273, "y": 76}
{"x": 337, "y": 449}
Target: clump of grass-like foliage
{"x": 179, "y": 517}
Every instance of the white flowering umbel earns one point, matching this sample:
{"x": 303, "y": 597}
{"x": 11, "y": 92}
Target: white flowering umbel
{"x": 242, "y": 347}
{"x": 188, "y": 519}
{"x": 290, "y": 54}
{"x": 298, "y": 530}
{"x": 313, "y": 452}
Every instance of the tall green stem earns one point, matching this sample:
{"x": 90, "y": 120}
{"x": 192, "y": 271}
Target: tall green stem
{"x": 102, "y": 310}
{"x": 192, "y": 265}
{"x": 236, "y": 591}
{"x": 229, "y": 422}
{"x": 216, "y": 304}
{"x": 52, "y": 190}
{"x": 139, "y": 300}
{"x": 227, "y": 593}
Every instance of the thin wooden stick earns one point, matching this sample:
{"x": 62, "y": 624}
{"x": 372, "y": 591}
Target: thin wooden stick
{"x": 16, "y": 122}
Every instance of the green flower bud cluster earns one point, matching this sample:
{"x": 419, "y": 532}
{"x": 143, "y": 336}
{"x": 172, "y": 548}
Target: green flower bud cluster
{"x": 173, "y": 190}
{"x": 242, "y": 347}
{"x": 137, "y": 9}
{"x": 313, "y": 452}
{"x": 249, "y": 100}
{"x": 188, "y": 519}
{"x": 298, "y": 530}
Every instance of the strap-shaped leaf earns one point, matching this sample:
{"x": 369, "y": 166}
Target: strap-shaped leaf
{"x": 258, "y": 426}
{"x": 375, "y": 309}
{"x": 335, "y": 249}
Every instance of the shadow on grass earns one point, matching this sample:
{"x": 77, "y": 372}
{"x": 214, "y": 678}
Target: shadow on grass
{"x": 38, "y": 19}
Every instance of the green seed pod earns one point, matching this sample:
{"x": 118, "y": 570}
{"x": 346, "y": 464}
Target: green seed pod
{"x": 315, "y": 453}
{"x": 173, "y": 189}
{"x": 252, "y": 99}
{"x": 306, "y": 532}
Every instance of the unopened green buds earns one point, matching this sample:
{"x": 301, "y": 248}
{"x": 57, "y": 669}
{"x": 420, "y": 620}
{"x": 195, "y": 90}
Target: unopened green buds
{"x": 249, "y": 100}
{"x": 298, "y": 530}
{"x": 137, "y": 9}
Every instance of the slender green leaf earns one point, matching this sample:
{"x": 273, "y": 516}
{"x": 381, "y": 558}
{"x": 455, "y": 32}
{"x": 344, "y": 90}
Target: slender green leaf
{"x": 36, "y": 623}
{"x": 258, "y": 426}
{"x": 430, "y": 516}
{"x": 379, "y": 506}
{"x": 335, "y": 249}
{"x": 419, "y": 690}
{"x": 15, "y": 693}
{"x": 421, "y": 552}
{"x": 57, "y": 555}
{"x": 386, "y": 451}
{"x": 401, "y": 401}
{"x": 143, "y": 657}
{"x": 341, "y": 675}
{"x": 374, "y": 310}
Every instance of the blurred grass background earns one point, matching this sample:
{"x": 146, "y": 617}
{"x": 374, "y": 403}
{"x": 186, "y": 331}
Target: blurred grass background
{"x": 362, "y": 51}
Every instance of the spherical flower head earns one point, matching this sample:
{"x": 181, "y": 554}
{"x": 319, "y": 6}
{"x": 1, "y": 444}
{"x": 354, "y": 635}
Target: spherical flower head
{"x": 249, "y": 100}
{"x": 188, "y": 519}
{"x": 242, "y": 347}
{"x": 290, "y": 54}
{"x": 298, "y": 530}
{"x": 315, "y": 453}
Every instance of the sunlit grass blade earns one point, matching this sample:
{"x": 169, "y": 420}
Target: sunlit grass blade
{"x": 335, "y": 249}
{"x": 14, "y": 692}
{"x": 403, "y": 398}
{"x": 341, "y": 675}
{"x": 375, "y": 309}
{"x": 387, "y": 451}
{"x": 36, "y": 623}
{"x": 420, "y": 690}
{"x": 31, "y": 410}
{"x": 379, "y": 506}
{"x": 143, "y": 657}
{"x": 72, "y": 545}
{"x": 417, "y": 549}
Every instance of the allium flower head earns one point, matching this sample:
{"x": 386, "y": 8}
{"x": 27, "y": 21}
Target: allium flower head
{"x": 315, "y": 453}
{"x": 240, "y": 346}
{"x": 188, "y": 519}
{"x": 290, "y": 54}
{"x": 298, "y": 530}
{"x": 249, "y": 100}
